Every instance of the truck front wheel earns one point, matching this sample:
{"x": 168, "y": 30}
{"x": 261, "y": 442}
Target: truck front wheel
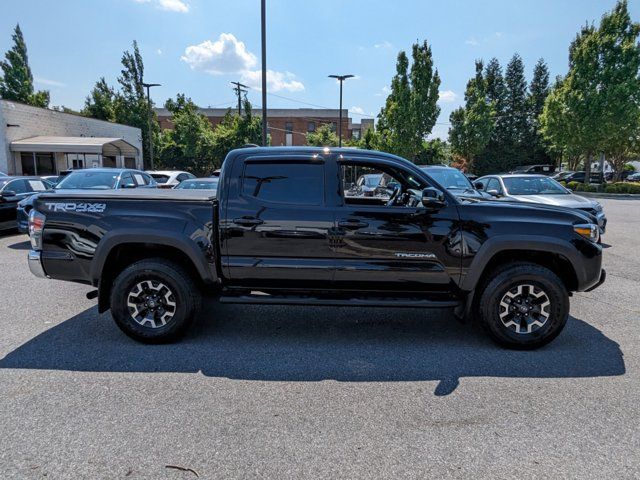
{"x": 154, "y": 300}
{"x": 524, "y": 306}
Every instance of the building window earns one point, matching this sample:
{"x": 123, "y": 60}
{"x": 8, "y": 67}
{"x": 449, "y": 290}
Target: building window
{"x": 75, "y": 161}
{"x": 288, "y": 126}
{"x": 311, "y": 127}
{"x": 334, "y": 126}
{"x": 38, "y": 164}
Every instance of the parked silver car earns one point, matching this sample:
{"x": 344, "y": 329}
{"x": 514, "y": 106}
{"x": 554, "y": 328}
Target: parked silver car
{"x": 539, "y": 189}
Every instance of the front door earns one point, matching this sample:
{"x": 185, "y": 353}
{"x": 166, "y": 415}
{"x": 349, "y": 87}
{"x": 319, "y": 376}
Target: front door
{"x": 19, "y": 189}
{"x": 275, "y": 226}
{"x": 389, "y": 241}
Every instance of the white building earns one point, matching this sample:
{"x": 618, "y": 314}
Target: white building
{"x": 39, "y": 141}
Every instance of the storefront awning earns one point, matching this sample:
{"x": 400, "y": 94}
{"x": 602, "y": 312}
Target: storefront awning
{"x": 96, "y": 145}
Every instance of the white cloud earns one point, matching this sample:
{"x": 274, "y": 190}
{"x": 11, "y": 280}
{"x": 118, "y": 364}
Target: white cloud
{"x": 159, "y": 51}
{"x": 472, "y": 41}
{"x": 276, "y": 81}
{"x": 179, "y": 6}
{"x": 385, "y": 91}
{"x": 225, "y": 55}
{"x": 357, "y": 110}
{"x": 48, "y": 83}
{"x": 228, "y": 55}
{"x": 448, "y": 96}
{"x": 385, "y": 44}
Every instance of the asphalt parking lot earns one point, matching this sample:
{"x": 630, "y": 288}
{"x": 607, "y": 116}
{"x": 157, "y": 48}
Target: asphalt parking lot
{"x": 296, "y": 392}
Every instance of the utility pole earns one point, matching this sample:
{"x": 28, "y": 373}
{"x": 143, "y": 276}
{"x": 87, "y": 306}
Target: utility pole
{"x": 239, "y": 89}
{"x": 340, "y": 78}
{"x": 150, "y": 120}
{"x": 263, "y": 25}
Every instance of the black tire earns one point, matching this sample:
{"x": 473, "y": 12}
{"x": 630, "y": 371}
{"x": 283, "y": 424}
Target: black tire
{"x": 510, "y": 286}
{"x": 175, "y": 286}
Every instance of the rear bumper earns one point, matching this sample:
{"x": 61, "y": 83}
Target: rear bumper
{"x": 35, "y": 264}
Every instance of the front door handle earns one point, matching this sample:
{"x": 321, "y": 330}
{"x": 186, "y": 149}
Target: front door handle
{"x": 352, "y": 224}
{"x": 248, "y": 221}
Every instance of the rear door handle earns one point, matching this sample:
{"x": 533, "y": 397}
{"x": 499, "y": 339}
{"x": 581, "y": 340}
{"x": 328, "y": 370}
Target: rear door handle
{"x": 352, "y": 224}
{"x": 248, "y": 221}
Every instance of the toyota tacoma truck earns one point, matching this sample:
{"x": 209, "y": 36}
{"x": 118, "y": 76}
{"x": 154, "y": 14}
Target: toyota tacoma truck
{"x": 282, "y": 230}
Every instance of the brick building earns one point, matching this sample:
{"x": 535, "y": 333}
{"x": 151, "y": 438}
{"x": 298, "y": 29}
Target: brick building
{"x": 39, "y": 141}
{"x": 287, "y": 126}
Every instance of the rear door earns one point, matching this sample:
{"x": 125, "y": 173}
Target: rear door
{"x": 275, "y": 224}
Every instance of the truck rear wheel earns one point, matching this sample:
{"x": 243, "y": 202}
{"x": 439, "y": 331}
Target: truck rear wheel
{"x": 524, "y": 306}
{"x": 154, "y": 300}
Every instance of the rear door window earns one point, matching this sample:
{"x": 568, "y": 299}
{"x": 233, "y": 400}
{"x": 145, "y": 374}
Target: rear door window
{"x": 283, "y": 182}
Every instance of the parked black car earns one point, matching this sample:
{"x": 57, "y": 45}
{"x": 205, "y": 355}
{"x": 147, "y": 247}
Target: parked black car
{"x": 12, "y": 191}
{"x": 537, "y": 169}
{"x": 92, "y": 179}
{"x": 282, "y": 231}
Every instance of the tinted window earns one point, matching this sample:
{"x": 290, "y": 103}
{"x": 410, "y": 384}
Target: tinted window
{"x": 126, "y": 179}
{"x": 160, "y": 178}
{"x": 449, "y": 177}
{"x": 493, "y": 184}
{"x": 198, "y": 185}
{"x": 533, "y": 186}
{"x": 17, "y": 186}
{"x": 296, "y": 183}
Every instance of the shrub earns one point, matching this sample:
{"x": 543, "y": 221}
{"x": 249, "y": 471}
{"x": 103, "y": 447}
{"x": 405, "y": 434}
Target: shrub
{"x": 573, "y": 185}
{"x": 579, "y": 187}
{"x": 590, "y": 188}
{"x": 611, "y": 189}
{"x": 633, "y": 188}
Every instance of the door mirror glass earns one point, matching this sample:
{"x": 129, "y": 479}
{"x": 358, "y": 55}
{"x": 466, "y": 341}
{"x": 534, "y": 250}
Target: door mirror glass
{"x": 432, "y": 198}
{"x": 7, "y": 194}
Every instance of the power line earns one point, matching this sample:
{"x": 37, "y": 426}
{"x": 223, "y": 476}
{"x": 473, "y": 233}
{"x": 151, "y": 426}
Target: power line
{"x": 239, "y": 89}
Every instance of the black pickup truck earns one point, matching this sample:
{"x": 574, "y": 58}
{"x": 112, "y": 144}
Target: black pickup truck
{"x": 281, "y": 229}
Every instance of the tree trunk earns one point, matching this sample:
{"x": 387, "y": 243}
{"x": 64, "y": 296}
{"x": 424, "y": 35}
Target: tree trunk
{"x": 587, "y": 169}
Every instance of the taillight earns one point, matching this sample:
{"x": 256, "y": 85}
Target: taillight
{"x": 36, "y": 226}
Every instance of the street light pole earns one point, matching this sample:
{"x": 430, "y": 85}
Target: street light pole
{"x": 150, "y": 120}
{"x": 263, "y": 25}
{"x": 340, "y": 78}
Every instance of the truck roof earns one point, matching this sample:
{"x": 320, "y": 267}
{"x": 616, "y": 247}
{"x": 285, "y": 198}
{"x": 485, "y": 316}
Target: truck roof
{"x": 134, "y": 193}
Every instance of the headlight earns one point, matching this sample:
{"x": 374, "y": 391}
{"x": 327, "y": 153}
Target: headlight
{"x": 588, "y": 231}
{"x": 597, "y": 207}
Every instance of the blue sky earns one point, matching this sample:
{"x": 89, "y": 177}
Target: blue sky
{"x": 198, "y": 46}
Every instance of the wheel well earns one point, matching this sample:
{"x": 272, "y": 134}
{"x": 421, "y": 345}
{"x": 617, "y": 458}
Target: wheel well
{"x": 121, "y": 256}
{"x": 553, "y": 261}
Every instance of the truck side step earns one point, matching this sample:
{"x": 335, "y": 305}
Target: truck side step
{"x": 262, "y": 298}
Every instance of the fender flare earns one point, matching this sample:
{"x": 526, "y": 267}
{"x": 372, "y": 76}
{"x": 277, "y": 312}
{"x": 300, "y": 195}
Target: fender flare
{"x": 183, "y": 243}
{"x": 528, "y": 243}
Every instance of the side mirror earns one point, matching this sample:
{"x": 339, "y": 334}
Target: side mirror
{"x": 432, "y": 198}
{"x": 7, "y": 194}
{"x": 493, "y": 193}
{"x": 129, "y": 185}
{"x": 478, "y": 185}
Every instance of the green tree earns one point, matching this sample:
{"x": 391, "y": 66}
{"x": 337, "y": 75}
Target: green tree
{"x": 471, "y": 125}
{"x": 234, "y": 132}
{"x": 130, "y": 106}
{"x": 596, "y": 108}
{"x": 411, "y": 109}
{"x": 538, "y": 92}
{"x": 515, "y": 114}
{"x": 324, "y": 136}
{"x": 101, "y": 102}
{"x": 189, "y": 145}
{"x": 435, "y": 151}
{"x": 493, "y": 156}
{"x": 16, "y": 81}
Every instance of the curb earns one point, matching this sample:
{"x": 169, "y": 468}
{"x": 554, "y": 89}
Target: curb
{"x": 614, "y": 196}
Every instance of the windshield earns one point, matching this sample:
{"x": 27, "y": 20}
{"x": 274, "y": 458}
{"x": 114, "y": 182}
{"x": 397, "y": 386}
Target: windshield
{"x": 160, "y": 178}
{"x": 533, "y": 186}
{"x": 372, "y": 180}
{"x": 198, "y": 185}
{"x": 89, "y": 180}
{"x": 449, "y": 178}
{"x": 3, "y": 182}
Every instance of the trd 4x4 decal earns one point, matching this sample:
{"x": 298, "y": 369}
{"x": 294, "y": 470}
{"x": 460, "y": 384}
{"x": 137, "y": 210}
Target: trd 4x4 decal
{"x": 76, "y": 207}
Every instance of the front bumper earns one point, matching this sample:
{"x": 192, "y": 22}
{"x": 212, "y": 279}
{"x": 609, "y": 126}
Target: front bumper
{"x": 35, "y": 264}
{"x": 603, "y": 277}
